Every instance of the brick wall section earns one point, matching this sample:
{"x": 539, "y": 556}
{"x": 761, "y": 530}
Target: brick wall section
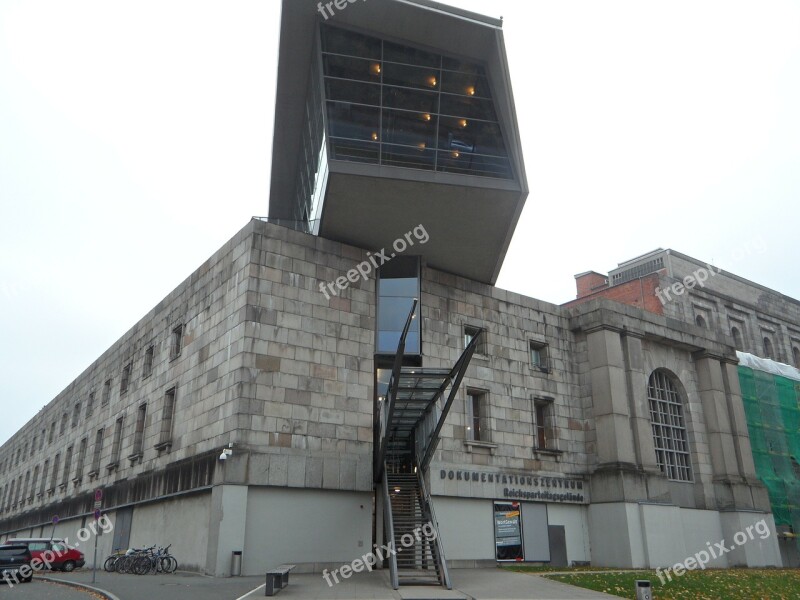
{"x": 640, "y": 293}
{"x": 589, "y": 283}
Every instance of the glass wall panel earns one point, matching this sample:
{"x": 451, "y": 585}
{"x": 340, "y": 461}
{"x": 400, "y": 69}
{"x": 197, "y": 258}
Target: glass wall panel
{"x": 412, "y": 102}
{"x": 398, "y": 286}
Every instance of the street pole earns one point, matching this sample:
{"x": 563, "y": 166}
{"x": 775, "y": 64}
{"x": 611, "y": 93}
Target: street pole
{"x": 94, "y": 566}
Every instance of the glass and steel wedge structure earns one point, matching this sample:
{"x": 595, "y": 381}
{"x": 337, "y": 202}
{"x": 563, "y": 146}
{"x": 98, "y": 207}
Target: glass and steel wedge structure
{"x": 392, "y": 114}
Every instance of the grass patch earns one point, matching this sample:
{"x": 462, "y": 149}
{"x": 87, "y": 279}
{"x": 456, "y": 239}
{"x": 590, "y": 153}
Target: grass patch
{"x": 711, "y": 584}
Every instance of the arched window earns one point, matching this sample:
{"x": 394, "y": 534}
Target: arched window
{"x": 669, "y": 428}
{"x": 700, "y": 321}
{"x": 737, "y": 338}
{"x": 768, "y": 348}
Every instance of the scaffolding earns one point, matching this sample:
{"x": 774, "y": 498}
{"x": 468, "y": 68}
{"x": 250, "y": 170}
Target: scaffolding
{"x": 771, "y": 396}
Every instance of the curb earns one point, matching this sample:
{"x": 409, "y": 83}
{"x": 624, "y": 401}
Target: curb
{"x": 82, "y": 586}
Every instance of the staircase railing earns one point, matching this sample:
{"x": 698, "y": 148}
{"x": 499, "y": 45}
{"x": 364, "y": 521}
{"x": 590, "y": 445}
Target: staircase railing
{"x": 389, "y": 527}
{"x": 431, "y": 514}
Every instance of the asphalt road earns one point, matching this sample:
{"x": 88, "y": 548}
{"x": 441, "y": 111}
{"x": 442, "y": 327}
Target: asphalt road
{"x": 42, "y": 590}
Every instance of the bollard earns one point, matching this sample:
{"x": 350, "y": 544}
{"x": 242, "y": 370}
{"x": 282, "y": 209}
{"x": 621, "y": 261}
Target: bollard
{"x": 236, "y": 563}
{"x": 643, "y": 590}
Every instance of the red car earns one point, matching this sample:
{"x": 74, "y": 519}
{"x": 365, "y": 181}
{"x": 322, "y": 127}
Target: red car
{"x": 53, "y": 554}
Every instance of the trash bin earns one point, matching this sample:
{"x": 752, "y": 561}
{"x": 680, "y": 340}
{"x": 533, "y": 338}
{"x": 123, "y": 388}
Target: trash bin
{"x": 643, "y": 590}
{"x": 236, "y": 563}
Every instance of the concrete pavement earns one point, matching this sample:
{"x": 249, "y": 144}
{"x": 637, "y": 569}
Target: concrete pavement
{"x": 42, "y": 590}
{"x": 468, "y": 584}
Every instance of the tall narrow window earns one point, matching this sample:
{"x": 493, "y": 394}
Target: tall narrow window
{"x": 176, "y": 342}
{"x": 42, "y": 439}
{"x": 768, "y": 352}
{"x": 76, "y": 415}
{"x": 147, "y": 367}
{"x": 81, "y": 460}
{"x": 54, "y": 475}
{"x": 737, "y": 338}
{"x": 167, "y": 419}
{"x": 64, "y": 421}
{"x": 116, "y": 446}
{"x": 796, "y": 356}
{"x": 26, "y": 493}
{"x": 11, "y": 500}
{"x": 125, "y": 380}
{"x": 35, "y": 482}
{"x": 106, "y": 392}
{"x": 98, "y": 452}
{"x": 669, "y": 430}
{"x": 52, "y": 433}
{"x": 67, "y": 466}
{"x": 90, "y": 405}
{"x": 138, "y": 435}
{"x": 43, "y": 485}
{"x": 543, "y": 424}
{"x": 538, "y": 356}
{"x": 477, "y": 416}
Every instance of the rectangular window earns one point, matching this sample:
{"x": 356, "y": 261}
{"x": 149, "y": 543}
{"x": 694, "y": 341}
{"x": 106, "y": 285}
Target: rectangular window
{"x": 176, "y": 342}
{"x": 543, "y": 424}
{"x": 81, "y": 459}
{"x": 52, "y": 433}
{"x": 147, "y": 367}
{"x": 42, "y": 439}
{"x": 138, "y": 436}
{"x": 165, "y": 439}
{"x": 125, "y": 381}
{"x": 90, "y": 405}
{"x": 470, "y": 332}
{"x": 116, "y": 446}
{"x": 76, "y": 415}
{"x": 67, "y": 466}
{"x": 64, "y": 421}
{"x": 538, "y": 353}
{"x": 98, "y": 451}
{"x": 106, "y": 392}
{"x": 477, "y": 416}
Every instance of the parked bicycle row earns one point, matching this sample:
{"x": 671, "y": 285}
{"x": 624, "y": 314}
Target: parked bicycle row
{"x": 141, "y": 561}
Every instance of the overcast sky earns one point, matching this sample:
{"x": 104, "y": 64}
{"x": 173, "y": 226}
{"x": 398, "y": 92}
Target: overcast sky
{"x": 135, "y": 140}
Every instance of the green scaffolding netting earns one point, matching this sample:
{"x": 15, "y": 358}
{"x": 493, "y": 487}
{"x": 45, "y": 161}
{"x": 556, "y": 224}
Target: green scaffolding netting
{"x": 772, "y": 407}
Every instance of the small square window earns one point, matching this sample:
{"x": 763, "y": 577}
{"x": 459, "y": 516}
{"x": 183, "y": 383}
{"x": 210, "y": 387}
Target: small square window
{"x": 538, "y": 354}
{"x": 176, "y": 344}
{"x": 470, "y": 333}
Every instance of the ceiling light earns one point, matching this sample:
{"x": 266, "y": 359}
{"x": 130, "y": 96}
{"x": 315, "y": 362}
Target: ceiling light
{"x": 463, "y": 123}
{"x": 471, "y": 90}
{"x": 432, "y": 81}
{"x": 375, "y": 68}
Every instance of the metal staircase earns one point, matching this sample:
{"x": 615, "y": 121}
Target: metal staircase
{"x": 407, "y": 427}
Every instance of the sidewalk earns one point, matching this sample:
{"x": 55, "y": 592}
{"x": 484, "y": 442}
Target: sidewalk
{"x": 468, "y": 584}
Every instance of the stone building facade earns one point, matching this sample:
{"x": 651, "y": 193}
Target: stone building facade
{"x": 248, "y": 352}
